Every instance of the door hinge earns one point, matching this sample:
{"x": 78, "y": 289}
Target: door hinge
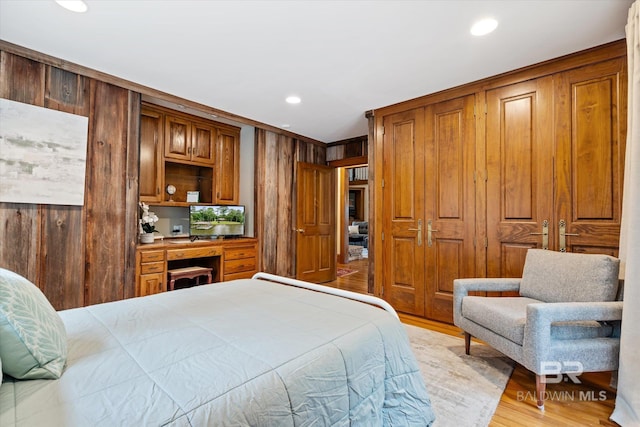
{"x": 475, "y": 176}
{"x": 382, "y": 236}
{"x": 486, "y": 242}
{"x": 383, "y": 183}
{"x": 383, "y": 130}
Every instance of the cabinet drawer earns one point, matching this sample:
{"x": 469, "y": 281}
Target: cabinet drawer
{"x": 238, "y": 265}
{"x": 173, "y": 254}
{"x": 152, "y": 267}
{"x": 242, "y": 275}
{"x": 151, "y": 256}
{"x": 239, "y": 253}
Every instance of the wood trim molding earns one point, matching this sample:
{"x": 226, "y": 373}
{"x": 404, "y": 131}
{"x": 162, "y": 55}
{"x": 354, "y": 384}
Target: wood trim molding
{"x": 593, "y": 55}
{"x": 349, "y": 161}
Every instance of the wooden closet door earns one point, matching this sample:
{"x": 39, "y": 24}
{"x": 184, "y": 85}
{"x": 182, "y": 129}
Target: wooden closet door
{"x": 403, "y": 213}
{"x": 449, "y": 202}
{"x": 520, "y": 187}
{"x": 590, "y": 134}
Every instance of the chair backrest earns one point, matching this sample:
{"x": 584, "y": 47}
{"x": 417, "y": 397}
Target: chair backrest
{"x": 569, "y": 277}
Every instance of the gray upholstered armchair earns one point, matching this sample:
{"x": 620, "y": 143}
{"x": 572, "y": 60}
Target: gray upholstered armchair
{"x": 566, "y": 319}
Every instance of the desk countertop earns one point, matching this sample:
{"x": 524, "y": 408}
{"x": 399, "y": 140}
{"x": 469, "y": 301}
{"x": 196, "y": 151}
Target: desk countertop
{"x": 168, "y": 243}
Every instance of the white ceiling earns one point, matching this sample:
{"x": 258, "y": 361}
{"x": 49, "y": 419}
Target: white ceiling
{"x": 341, "y": 57}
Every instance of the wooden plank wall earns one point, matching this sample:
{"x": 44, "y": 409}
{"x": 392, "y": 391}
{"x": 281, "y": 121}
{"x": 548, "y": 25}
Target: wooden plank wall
{"x": 77, "y": 255}
{"x": 276, "y": 161}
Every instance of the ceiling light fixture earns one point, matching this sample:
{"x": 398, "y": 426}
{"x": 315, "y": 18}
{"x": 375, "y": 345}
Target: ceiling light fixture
{"x": 78, "y": 6}
{"x": 293, "y": 99}
{"x": 484, "y": 26}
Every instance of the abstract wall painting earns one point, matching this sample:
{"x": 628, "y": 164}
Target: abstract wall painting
{"x": 43, "y": 155}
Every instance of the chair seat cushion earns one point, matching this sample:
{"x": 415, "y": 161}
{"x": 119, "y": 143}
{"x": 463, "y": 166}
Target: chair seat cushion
{"x": 506, "y": 317}
{"x": 503, "y": 315}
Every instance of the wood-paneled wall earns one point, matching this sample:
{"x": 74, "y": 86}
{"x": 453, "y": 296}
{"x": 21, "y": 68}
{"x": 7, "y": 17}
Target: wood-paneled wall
{"x": 77, "y": 255}
{"x": 276, "y": 159}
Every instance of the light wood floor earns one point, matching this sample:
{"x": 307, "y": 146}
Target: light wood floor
{"x": 567, "y": 404}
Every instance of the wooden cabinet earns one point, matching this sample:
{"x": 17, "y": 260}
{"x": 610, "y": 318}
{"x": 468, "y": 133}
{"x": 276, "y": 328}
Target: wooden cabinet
{"x": 189, "y": 140}
{"x": 429, "y": 195}
{"x": 227, "y": 166}
{"x": 151, "y": 160}
{"x": 555, "y": 165}
{"x": 190, "y": 153}
{"x": 240, "y": 262}
{"x": 470, "y": 178}
{"x": 151, "y": 275}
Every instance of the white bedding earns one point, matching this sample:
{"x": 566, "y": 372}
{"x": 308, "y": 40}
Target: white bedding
{"x": 246, "y": 352}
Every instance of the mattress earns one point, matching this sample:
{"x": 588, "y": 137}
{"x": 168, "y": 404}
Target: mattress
{"x": 239, "y": 353}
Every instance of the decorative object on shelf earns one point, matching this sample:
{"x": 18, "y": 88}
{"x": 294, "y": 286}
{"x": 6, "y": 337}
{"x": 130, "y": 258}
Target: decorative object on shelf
{"x": 193, "y": 196}
{"x": 171, "y": 190}
{"x": 147, "y": 224}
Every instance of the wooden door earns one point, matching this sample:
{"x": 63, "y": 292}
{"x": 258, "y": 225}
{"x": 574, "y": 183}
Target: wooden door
{"x": 403, "y": 216}
{"x": 151, "y": 162}
{"x": 555, "y": 153}
{"x": 315, "y": 223}
{"x": 520, "y": 152}
{"x": 227, "y": 167}
{"x": 590, "y": 134}
{"x": 449, "y": 218}
{"x": 177, "y": 138}
{"x": 203, "y": 139}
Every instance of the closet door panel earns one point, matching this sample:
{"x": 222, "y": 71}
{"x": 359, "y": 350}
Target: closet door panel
{"x": 519, "y": 129}
{"x": 403, "y": 216}
{"x": 591, "y": 113}
{"x": 449, "y": 201}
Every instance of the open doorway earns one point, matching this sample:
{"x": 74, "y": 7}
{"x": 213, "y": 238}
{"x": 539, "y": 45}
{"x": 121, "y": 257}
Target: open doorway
{"x": 357, "y": 218}
{"x": 353, "y": 228}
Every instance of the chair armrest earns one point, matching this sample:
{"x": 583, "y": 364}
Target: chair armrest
{"x": 540, "y": 316}
{"x": 543, "y": 314}
{"x": 462, "y": 287}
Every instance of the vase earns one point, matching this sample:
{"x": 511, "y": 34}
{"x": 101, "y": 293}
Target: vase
{"x": 147, "y": 238}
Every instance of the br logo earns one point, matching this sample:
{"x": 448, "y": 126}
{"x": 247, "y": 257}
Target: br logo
{"x": 554, "y": 370}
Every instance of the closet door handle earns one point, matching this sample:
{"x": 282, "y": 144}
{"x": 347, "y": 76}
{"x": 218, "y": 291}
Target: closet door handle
{"x": 419, "y": 230}
{"x": 544, "y": 234}
{"x": 430, "y": 230}
{"x": 562, "y": 228}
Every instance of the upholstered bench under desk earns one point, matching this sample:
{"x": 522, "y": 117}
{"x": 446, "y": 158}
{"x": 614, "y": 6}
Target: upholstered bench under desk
{"x": 188, "y": 273}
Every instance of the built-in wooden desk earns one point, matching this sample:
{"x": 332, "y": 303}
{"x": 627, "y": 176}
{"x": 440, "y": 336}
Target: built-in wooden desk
{"x": 228, "y": 259}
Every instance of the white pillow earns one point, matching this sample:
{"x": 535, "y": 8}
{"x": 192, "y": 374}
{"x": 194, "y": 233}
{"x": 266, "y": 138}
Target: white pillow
{"x": 34, "y": 341}
{"x": 354, "y": 229}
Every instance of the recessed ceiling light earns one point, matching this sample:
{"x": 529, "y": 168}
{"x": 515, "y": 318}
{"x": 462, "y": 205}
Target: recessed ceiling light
{"x": 286, "y": 126}
{"x": 293, "y": 99}
{"x": 484, "y": 26}
{"x": 73, "y": 5}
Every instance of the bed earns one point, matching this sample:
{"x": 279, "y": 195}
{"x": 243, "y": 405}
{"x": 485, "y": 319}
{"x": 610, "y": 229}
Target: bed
{"x": 249, "y": 352}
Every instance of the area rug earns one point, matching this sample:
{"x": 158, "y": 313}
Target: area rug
{"x": 464, "y": 390}
{"x": 341, "y": 272}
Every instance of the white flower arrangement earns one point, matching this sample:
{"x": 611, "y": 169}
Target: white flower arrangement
{"x": 147, "y": 219}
